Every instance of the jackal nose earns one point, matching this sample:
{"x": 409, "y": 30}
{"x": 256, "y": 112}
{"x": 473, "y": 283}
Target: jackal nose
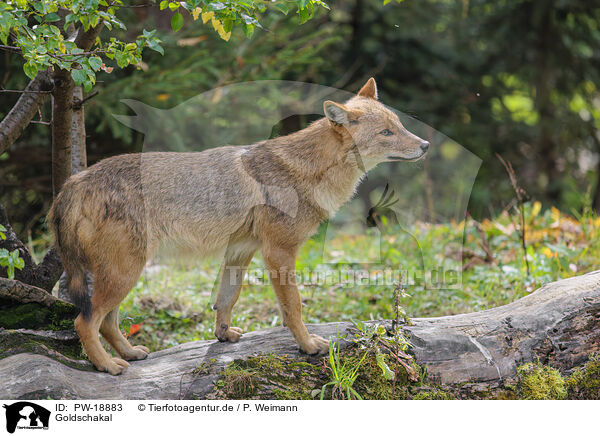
{"x": 424, "y": 146}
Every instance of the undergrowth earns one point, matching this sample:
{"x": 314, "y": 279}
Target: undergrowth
{"x": 171, "y": 303}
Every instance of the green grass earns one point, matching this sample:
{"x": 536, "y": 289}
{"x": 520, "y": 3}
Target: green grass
{"x": 172, "y": 302}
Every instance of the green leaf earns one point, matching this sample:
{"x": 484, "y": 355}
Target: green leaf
{"x": 248, "y": 30}
{"x": 30, "y": 70}
{"x": 173, "y": 6}
{"x": 177, "y": 22}
{"x": 95, "y": 62}
{"x": 164, "y": 4}
{"x": 154, "y": 44}
{"x": 16, "y": 260}
{"x": 122, "y": 60}
{"x": 388, "y": 374}
{"x": 282, "y": 7}
{"x": 52, "y": 18}
{"x": 304, "y": 15}
{"x": 38, "y": 6}
{"x": 79, "y": 76}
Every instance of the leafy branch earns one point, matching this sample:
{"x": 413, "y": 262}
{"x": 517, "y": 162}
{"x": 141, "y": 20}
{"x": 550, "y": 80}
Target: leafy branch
{"x": 51, "y": 42}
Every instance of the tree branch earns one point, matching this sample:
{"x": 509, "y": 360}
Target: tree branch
{"x": 15, "y": 122}
{"x": 85, "y": 40}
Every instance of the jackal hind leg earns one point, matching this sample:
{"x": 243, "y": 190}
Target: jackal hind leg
{"x": 112, "y": 334}
{"x": 88, "y": 330}
{"x": 233, "y": 271}
{"x": 111, "y": 286}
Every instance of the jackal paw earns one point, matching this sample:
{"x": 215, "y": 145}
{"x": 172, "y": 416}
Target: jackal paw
{"x": 315, "y": 345}
{"x": 114, "y": 366}
{"x": 228, "y": 334}
{"x": 138, "y": 352}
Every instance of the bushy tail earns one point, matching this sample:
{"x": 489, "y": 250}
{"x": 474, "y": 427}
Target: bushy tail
{"x": 63, "y": 224}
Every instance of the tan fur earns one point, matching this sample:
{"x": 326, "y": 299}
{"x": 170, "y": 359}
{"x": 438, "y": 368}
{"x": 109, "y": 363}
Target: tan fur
{"x": 229, "y": 201}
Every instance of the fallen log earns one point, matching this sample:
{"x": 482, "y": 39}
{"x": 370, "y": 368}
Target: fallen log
{"x": 558, "y": 324}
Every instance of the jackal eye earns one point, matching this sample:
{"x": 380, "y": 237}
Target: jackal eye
{"x": 386, "y": 132}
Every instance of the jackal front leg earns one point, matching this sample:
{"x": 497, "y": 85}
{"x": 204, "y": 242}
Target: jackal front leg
{"x": 281, "y": 263}
{"x": 233, "y": 272}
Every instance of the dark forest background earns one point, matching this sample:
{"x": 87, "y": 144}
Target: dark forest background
{"x": 514, "y": 77}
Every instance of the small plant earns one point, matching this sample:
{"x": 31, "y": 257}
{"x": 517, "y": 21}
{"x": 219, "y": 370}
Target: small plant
{"x": 9, "y": 259}
{"x": 342, "y": 376}
{"x": 521, "y": 198}
{"x": 383, "y": 343}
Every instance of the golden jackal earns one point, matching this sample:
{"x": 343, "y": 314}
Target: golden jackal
{"x": 110, "y": 218}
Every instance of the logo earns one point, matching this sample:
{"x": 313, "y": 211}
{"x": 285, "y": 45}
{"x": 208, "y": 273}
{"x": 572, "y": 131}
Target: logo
{"x": 26, "y": 415}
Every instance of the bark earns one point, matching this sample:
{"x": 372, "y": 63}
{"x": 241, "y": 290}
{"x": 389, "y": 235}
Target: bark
{"x": 17, "y": 120}
{"x": 559, "y": 324}
{"x": 78, "y": 163}
{"x": 62, "y": 119}
{"x": 78, "y": 149}
{"x": 85, "y": 40}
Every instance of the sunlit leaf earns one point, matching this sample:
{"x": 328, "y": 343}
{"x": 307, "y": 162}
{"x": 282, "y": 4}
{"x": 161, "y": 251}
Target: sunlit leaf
{"x": 177, "y": 22}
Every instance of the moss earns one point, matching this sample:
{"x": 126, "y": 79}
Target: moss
{"x": 59, "y": 316}
{"x": 433, "y": 394}
{"x": 238, "y": 384}
{"x": 268, "y": 376}
{"x": 29, "y": 316}
{"x": 584, "y": 383}
{"x": 67, "y": 351}
{"x": 62, "y": 316}
{"x": 539, "y": 382}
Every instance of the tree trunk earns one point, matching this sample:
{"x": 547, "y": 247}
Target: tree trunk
{"x": 559, "y": 324}
{"x": 78, "y": 163}
{"x": 62, "y": 119}
{"x": 78, "y": 148}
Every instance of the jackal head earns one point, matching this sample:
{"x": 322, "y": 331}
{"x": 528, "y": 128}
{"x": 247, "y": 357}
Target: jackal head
{"x": 375, "y": 130}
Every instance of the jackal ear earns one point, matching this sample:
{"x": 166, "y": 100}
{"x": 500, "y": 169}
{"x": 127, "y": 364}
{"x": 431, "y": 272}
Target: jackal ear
{"x": 369, "y": 90}
{"x": 335, "y": 112}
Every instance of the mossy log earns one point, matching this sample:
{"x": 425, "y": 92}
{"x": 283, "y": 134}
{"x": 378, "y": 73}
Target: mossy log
{"x": 559, "y": 324}
{"x": 29, "y": 307}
